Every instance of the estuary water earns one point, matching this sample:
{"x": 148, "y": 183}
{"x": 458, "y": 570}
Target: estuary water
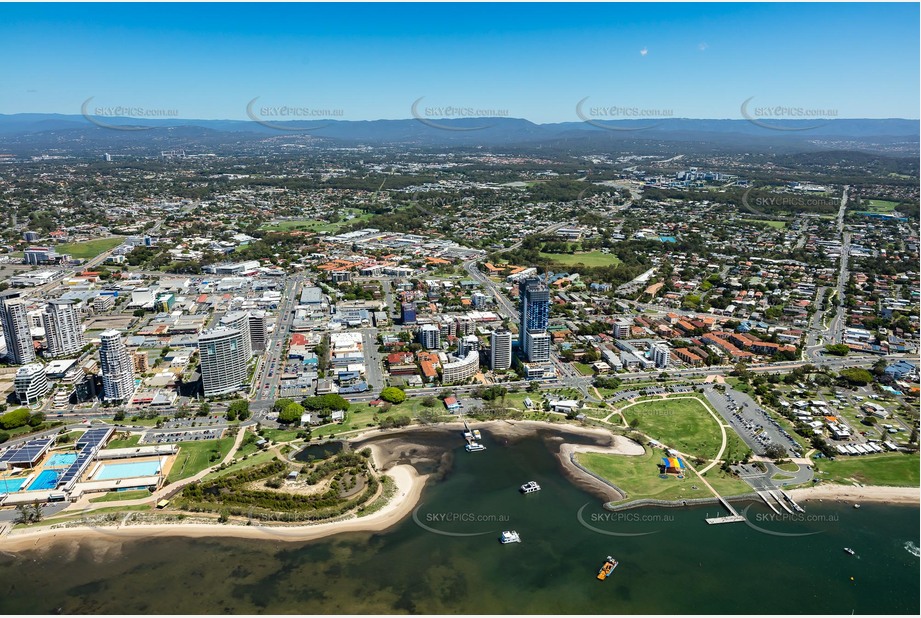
{"x": 446, "y": 557}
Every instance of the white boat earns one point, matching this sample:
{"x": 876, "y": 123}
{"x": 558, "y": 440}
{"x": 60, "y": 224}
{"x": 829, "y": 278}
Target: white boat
{"x": 849, "y": 550}
{"x": 529, "y": 487}
{"x": 477, "y": 434}
{"x": 856, "y": 506}
{"x": 509, "y": 536}
{"x": 475, "y": 446}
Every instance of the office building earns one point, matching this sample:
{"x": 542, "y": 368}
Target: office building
{"x": 534, "y": 314}
{"x": 62, "y": 328}
{"x": 14, "y": 316}
{"x": 622, "y": 328}
{"x": 661, "y": 355}
{"x": 116, "y": 367}
{"x": 539, "y": 347}
{"x": 31, "y": 383}
{"x": 460, "y": 370}
{"x": 257, "y": 330}
{"x": 223, "y": 361}
{"x": 141, "y": 361}
{"x": 430, "y": 336}
{"x": 103, "y": 302}
{"x": 239, "y": 320}
{"x": 467, "y": 344}
{"x": 408, "y": 313}
{"x": 500, "y": 356}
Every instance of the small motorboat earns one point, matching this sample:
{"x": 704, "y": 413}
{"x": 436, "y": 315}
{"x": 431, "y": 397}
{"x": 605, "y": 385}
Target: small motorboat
{"x": 509, "y": 536}
{"x": 849, "y": 550}
{"x": 529, "y": 487}
{"x": 607, "y": 568}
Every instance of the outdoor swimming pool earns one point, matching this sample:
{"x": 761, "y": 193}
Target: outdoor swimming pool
{"x": 48, "y": 479}
{"x": 8, "y": 486}
{"x": 61, "y": 460}
{"x": 111, "y": 471}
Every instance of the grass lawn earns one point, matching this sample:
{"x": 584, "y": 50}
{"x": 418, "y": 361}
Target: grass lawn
{"x": 81, "y": 516}
{"x": 777, "y": 225}
{"x": 590, "y": 258}
{"x": 639, "y": 477}
{"x": 883, "y": 206}
{"x": 358, "y": 417}
{"x": 90, "y": 248}
{"x": 683, "y": 424}
{"x": 315, "y": 225}
{"x": 196, "y": 456}
{"x": 584, "y": 369}
{"x": 894, "y": 469}
{"x": 131, "y": 441}
{"x": 281, "y": 435}
{"x": 260, "y": 457}
{"x": 114, "y": 496}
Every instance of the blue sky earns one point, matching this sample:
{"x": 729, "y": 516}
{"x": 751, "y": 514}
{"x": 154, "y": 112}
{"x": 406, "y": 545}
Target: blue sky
{"x": 534, "y": 61}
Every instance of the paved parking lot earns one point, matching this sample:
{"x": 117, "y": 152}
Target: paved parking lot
{"x": 755, "y": 426}
{"x": 168, "y": 437}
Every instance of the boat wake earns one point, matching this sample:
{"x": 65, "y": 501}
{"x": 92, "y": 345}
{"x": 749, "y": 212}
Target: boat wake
{"x": 912, "y": 549}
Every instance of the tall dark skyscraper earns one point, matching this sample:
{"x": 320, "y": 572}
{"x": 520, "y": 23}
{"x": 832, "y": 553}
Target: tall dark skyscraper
{"x": 534, "y": 313}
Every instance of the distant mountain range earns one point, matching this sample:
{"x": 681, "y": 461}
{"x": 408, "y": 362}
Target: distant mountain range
{"x": 20, "y": 132}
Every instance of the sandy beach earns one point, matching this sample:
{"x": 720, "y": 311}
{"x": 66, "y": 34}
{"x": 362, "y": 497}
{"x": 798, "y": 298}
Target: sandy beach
{"x": 850, "y": 493}
{"x": 408, "y": 482}
{"x": 409, "y": 486}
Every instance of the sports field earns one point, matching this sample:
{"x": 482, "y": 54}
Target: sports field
{"x": 590, "y": 258}
{"x": 90, "y": 248}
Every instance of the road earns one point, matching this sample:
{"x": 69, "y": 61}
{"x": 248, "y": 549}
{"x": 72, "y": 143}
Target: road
{"x": 271, "y": 364}
{"x": 839, "y": 322}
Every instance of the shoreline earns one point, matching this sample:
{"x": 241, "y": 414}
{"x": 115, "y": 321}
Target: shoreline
{"x": 865, "y": 493}
{"x": 409, "y": 487}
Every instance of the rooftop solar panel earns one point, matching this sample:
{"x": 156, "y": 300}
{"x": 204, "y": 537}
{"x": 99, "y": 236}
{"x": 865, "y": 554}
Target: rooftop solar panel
{"x": 28, "y": 452}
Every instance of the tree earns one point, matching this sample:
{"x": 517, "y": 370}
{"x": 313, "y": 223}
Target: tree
{"x": 856, "y": 376}
{"x": 29, "y": 513}
{"x": 775, "y": 451}
{"x": 204, "y": 409}
{"x": 393, "y": 395}
{"x": 238, "y": 409}
{"x": 4, "y": 436}
{"x": 291, "y": 413}
{"x": 429, "y": 401}
{"x": 326, "y": 402}
{"x": 15, "y": 418}
{"x": 837, "y": 349}
{"x": 119, "y": 416}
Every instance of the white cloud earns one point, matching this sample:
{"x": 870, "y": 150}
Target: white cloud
{"x": 644, "y": 51}
{"x": 702, "y": 46}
